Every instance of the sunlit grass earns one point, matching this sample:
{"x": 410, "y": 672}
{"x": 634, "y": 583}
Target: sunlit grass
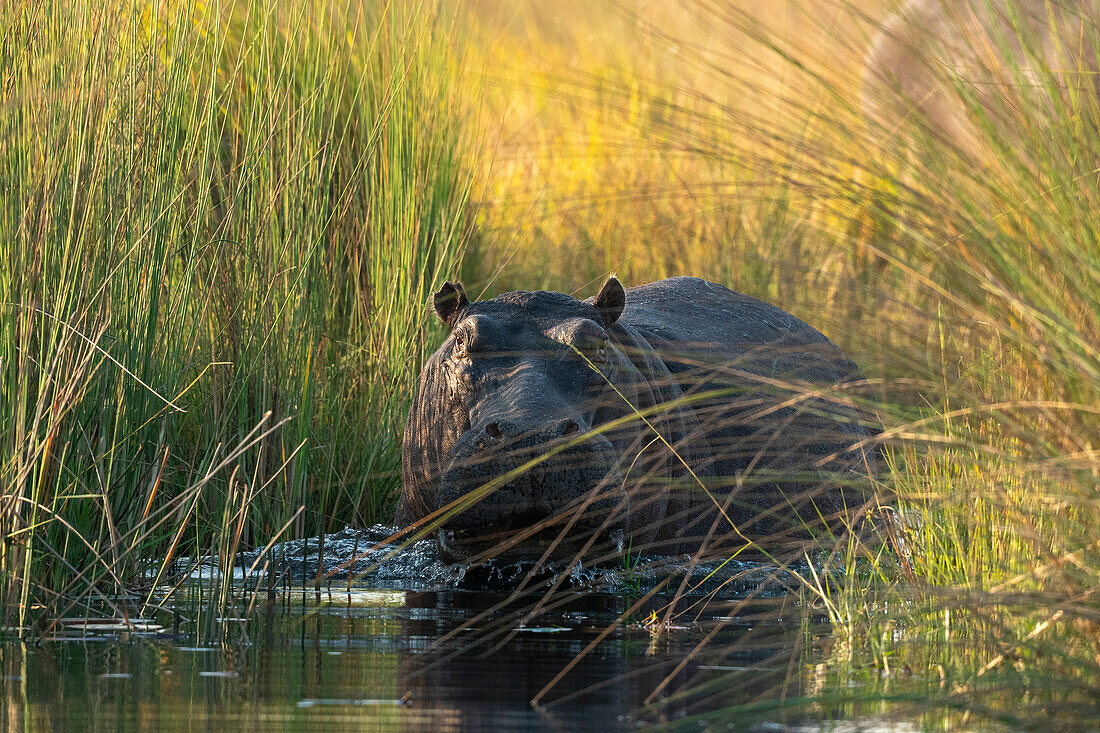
{"x": 731, "y": 143}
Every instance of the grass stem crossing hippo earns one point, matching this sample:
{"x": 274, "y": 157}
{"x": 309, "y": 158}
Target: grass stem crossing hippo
{"x": 672, "y": 417}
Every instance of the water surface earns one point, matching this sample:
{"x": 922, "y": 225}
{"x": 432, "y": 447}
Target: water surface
{"x": 416, "y": 645}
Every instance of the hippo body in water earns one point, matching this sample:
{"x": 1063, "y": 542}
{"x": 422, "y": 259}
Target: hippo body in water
{"x": 1008, "y": 58}
{"x": 672, "y": 417}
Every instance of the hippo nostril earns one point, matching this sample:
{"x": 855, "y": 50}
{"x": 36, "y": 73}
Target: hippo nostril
{"x": 570, "y": 428}
{"x": 494, "y": 431}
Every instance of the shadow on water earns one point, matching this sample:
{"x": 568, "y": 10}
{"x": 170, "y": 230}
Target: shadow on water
{"x": 447, "y": 651}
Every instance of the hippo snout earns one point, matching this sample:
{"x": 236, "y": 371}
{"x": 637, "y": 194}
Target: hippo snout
{"x": 573, "y": 480}
{"x": 502, "y": 436}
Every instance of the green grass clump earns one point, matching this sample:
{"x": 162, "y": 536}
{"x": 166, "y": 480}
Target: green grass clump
{"x": 219, "y": 225}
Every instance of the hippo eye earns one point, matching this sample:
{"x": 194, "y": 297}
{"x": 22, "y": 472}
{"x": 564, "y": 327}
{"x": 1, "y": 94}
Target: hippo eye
{"x": 593, "y": 346}
{"x": 601, "y": 348}
{"x": 459, "y": 351}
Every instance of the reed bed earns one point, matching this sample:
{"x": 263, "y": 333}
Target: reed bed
{"x": 220, "y": 224}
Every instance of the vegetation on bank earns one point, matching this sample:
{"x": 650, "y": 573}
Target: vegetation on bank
{"x": 221, "y": 225}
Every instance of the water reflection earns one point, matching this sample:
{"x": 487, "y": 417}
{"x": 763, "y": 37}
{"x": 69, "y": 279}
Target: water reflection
{"x": 441, "y": 660}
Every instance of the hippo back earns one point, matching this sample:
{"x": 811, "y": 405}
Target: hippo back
{"x": 778, "y": 430}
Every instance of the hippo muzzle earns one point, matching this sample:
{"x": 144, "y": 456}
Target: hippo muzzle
{"x": 531, "y": 490}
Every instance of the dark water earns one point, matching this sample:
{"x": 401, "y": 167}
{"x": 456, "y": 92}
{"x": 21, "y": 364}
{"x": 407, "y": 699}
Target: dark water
{"x": 419, "y": 646}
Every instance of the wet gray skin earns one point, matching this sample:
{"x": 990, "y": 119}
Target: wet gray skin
{"x": 531, "y": 403}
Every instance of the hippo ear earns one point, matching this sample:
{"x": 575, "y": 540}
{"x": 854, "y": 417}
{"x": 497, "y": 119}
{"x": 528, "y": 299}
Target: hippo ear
{"x": 449, "y": 302}
{"x": 611, "y": 301}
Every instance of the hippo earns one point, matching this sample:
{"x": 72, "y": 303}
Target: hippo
{"x": 672, "y": 417}
{"x": 1005, "y": 56}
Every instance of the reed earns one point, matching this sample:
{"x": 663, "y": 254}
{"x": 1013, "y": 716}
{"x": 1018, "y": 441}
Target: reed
{"x": 220, "y": 224}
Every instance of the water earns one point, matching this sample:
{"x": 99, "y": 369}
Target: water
{"x": 414, "y": 645}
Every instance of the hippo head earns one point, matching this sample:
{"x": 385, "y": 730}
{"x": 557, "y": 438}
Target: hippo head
{"x": 502, "y": 440}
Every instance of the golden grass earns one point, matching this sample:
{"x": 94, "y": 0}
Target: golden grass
{"x": 727, "y": 141}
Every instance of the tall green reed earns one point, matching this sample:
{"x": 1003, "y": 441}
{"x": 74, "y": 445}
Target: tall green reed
{"x": 220, "y": 224}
